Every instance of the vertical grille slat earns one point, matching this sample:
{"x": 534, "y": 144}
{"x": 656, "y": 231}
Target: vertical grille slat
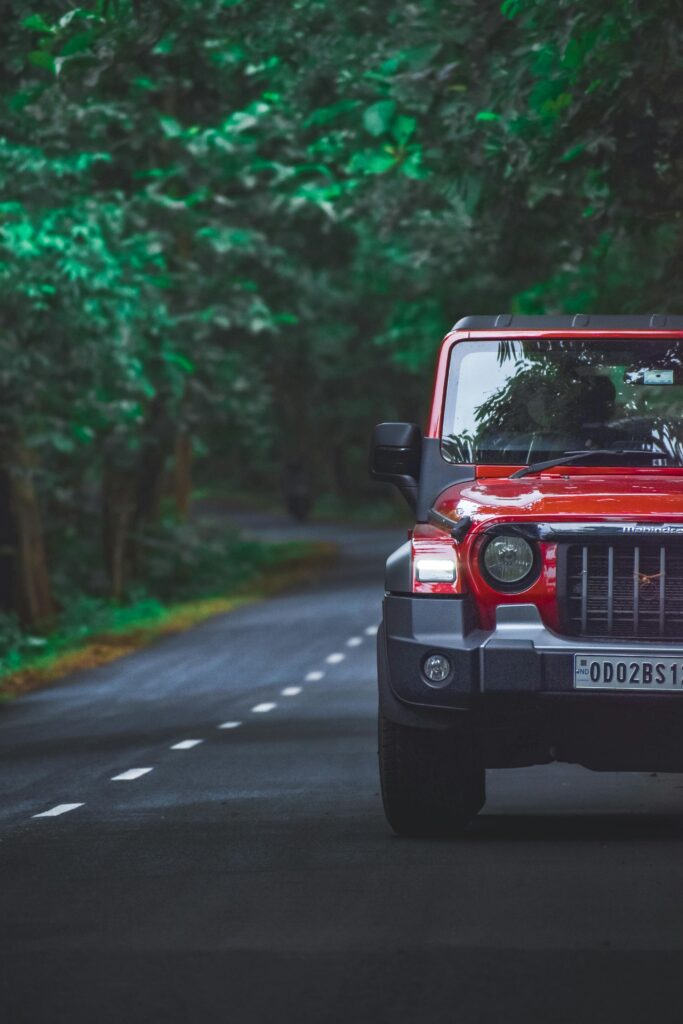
{"x": 584, "y": 588}
{"x": 662, "y": 588}
{"x": 624, "y": 589}
{"x": 610, "y": 589}
{"x": 636, "y": 586}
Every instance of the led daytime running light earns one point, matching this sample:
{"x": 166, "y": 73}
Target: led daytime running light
{"x": 429, "y": 569}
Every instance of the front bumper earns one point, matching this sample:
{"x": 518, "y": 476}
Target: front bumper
{"x": 519, "y": 657}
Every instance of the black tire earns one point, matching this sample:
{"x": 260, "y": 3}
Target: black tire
{"x": 433, "y": 782}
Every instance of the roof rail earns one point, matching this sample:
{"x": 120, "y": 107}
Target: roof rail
{"x": 571, "y": 321}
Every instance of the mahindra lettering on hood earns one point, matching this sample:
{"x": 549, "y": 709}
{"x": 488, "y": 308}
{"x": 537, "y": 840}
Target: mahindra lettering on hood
{"x": 536, "y": 611}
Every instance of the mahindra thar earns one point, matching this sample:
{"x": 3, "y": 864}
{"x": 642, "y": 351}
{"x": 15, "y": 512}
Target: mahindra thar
{"x": 535, "y": 613}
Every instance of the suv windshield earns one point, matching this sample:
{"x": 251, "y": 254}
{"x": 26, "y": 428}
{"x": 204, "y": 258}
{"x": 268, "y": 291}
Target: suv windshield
{"x": 515, "y": 402}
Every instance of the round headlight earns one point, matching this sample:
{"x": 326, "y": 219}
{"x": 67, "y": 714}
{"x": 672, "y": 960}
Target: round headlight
{"x": 508, "y": 559}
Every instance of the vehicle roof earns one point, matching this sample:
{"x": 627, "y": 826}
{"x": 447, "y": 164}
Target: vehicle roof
{"x": 569, "y": 322}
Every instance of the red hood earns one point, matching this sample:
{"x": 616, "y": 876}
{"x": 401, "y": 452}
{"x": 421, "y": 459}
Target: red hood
{"x": 641, "y": 496}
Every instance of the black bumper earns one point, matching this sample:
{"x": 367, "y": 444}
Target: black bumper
{"x": 520, "y": 657}
{"x": 514, "y": 686}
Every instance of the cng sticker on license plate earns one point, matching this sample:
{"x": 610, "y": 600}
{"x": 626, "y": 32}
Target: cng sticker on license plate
{"x": 597, "y": 672}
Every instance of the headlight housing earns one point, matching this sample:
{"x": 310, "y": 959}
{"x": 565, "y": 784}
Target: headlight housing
{"x": 434, "y": 566}
{"x": 509, "y": 562}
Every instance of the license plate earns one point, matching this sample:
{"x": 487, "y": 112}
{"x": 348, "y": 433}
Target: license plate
{"x": 647, "y": 674}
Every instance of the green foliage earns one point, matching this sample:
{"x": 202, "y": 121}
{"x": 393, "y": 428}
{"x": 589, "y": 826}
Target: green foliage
{"x": 204, "y": 568}
{"x": 252, "y": 223}
{"x": 182, "y": 562}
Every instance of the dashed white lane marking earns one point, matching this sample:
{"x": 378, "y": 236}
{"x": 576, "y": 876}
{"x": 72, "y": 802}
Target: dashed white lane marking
{"x": 132, "y": 773}
{"x": 334, "y": 659}
{"x": 230, "y": 725}
{"x": 54, "y": 811}
{"x": 354, "y": 641}
{"x": 260, "y": 709}
{"x": 313, "y": 677}
{"x": 291, "y": 691}
{"x": 371, "y": 631}
{"x": 186, "y": 744}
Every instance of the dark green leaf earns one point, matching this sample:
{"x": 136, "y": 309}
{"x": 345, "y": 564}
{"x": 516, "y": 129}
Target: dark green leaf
{"x": 42, "y": 59}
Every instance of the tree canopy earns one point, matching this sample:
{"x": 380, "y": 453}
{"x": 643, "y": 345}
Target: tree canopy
{"x": 243, "y": 227}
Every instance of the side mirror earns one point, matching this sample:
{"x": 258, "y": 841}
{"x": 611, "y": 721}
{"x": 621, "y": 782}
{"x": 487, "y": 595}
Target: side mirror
{"x": 395, "y": 454}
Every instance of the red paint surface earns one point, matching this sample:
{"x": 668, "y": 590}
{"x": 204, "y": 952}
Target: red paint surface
{"x": 549, "y": 497}
{"x": 652, "y": 495}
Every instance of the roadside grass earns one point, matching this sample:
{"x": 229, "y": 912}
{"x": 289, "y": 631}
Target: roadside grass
{"x": 120, "y": 630}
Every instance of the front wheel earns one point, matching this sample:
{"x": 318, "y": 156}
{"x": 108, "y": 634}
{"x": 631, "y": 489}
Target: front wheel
{"x": 433, "y": 783}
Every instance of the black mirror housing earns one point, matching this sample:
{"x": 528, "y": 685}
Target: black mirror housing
{"x": 395, "y": 454}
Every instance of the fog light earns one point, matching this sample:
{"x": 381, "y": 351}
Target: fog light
{"x": 436, "y": 667}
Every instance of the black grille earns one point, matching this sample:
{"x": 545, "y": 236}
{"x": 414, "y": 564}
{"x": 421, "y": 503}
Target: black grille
{"x": 622, "y": 590}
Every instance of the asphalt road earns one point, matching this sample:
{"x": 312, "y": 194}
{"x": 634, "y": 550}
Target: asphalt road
{"x": 250, "y": 876}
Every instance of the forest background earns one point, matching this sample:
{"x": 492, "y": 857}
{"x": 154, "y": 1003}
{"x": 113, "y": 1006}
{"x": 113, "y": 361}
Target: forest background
{"x": 233, "y": 232}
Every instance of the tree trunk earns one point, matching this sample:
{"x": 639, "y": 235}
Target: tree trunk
{"x": 182, "y": 474}
{"x": 157, "y": 444}
{"x": 8, "y": 594}
{"x": 118, "y": 503}
{"x": 32, "y": 582}
{"x": 150, "y": 485}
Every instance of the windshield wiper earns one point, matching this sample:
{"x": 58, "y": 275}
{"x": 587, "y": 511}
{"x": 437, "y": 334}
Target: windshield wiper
{"x": 589, "y": 453}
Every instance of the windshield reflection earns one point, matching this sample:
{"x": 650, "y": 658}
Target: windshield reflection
{"x": 521, "y": 401}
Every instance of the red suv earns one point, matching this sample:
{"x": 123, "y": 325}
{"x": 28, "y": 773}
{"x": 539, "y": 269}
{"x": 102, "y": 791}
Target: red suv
{"x": 536, "y": 612}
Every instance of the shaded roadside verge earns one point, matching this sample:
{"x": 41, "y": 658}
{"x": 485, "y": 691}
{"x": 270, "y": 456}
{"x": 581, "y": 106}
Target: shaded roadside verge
{"x": 298, "y": 563}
